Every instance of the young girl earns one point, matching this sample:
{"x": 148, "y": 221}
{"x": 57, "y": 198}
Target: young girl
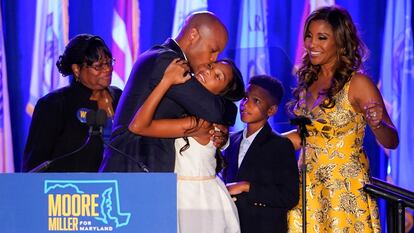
{"x": 204, "y": 205}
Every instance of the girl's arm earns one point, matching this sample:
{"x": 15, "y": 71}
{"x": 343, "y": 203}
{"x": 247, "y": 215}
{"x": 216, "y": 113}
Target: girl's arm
{"x": 143, "y": 122}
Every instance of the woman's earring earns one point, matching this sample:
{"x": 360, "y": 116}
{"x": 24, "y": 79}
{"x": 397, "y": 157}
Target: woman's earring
{"x": 75, "y": 71}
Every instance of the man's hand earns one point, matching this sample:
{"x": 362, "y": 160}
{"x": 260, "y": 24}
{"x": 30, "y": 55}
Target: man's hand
{"x": 238, "y": 187}
{"x": 219, "y": 135}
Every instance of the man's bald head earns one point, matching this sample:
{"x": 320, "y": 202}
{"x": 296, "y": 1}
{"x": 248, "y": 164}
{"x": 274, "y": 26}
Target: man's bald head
{"x": 202, "y": 19}
{"x": 202, "y": 38}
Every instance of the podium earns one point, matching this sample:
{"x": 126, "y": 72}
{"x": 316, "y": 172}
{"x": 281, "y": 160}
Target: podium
{"x": 88, "y": 202}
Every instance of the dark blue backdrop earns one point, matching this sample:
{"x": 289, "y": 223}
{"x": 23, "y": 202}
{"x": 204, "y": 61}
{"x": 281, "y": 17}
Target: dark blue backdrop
{"x": 95, "y": 16}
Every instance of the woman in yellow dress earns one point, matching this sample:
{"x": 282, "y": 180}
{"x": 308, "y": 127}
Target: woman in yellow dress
{"x": 340, "y": 101}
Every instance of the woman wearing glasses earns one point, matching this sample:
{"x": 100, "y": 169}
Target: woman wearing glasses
{"x": 58, "y": 126}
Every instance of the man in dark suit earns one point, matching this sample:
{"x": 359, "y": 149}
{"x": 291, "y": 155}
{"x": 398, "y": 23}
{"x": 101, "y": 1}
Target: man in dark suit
{"x": 200, "y": 41}
{"x": 262, "y": 173}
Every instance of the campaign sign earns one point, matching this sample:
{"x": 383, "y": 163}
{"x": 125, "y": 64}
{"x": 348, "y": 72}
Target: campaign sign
{"x": 88, "y": 202}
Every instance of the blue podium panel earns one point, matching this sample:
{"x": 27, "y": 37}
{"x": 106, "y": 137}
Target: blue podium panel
{"x": 88, "y": 202}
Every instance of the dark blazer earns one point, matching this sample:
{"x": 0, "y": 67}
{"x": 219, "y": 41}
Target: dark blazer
{"x": 270, "y": 167}
{"x": 191, "y": 98}
{"x": 55, "y": 130}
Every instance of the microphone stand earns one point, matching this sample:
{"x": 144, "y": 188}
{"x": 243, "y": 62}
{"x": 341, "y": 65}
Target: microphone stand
{"x": 139, "y": 163}
{"x": 90, "y": 121}
{"x": 100, "y": 123}
{"x": 45, "y": 165}
{"x": 301, "y": 122}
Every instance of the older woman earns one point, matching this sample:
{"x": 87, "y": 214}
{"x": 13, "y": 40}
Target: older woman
{"x": 58, "y": 125}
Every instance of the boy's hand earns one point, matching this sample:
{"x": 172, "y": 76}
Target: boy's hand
{"x": 177, "y": 72}
{"x": 219, "y": 135}
{"x": 238, "y": 187}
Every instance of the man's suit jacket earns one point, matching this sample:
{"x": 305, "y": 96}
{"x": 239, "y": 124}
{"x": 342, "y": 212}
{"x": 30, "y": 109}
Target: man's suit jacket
{"x": 190, "y": 98}
{"x": 270, "y": 167}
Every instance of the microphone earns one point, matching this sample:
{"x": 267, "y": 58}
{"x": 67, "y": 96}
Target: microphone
{"x": 90, "y": 121}
{"x": 301, "y": 120}
{"x": 101, "y": 118}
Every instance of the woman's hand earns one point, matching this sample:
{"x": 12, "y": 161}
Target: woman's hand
{"x": 374, "y": 114}
{"x": 366, "y": 99}
{"x": 177, "y": 72}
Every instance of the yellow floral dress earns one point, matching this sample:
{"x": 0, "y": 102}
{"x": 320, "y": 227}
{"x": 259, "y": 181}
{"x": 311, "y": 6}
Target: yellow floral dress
{"x": 337, "y": 169}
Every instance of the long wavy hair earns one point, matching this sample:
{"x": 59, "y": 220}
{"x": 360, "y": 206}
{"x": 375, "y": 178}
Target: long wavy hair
{"x": 351, "y": 53}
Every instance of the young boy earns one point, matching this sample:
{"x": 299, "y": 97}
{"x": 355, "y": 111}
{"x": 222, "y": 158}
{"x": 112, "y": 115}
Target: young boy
{"x": 262, "y": 173}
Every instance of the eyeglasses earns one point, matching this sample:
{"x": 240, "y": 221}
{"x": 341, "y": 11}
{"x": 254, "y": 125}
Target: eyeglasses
{"x": 105, "y": 65}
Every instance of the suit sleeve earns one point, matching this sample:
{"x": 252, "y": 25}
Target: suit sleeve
{"x": 196, "y": 99}
{"x": 47, "y": 121}
{"x": 230, "y": 156}
{"x": 279, "y": 186}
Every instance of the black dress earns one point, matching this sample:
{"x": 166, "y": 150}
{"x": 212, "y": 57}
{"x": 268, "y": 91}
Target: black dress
{"x": 56, "y": 130}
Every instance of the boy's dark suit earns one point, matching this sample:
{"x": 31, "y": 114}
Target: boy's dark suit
{"x": 270, "y": 167}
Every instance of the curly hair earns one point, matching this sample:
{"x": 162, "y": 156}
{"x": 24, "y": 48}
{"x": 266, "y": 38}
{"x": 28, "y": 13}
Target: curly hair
{"x": 84, "y": 48}
{"x": 351, "y": 53}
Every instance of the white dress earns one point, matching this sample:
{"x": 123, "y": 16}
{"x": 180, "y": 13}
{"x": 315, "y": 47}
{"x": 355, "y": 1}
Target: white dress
{"x": 203, "y": 202}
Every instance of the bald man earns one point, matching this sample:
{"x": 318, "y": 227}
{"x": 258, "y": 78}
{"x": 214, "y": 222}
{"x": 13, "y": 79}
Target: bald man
{"x": 199, "y": 42}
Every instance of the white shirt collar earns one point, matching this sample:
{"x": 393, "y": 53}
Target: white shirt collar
{"x": 251, "y": 137}
{"x": 185, "y": 57}
{"x": 245, "y": 144}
